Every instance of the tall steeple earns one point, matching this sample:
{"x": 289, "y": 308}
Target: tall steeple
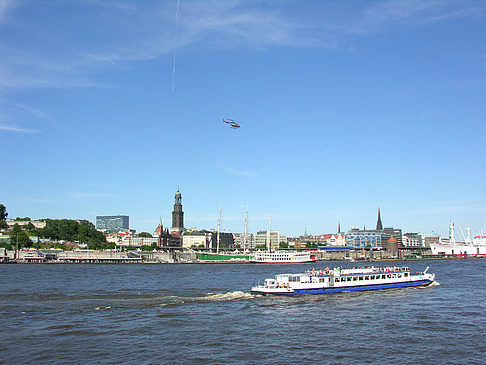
{"x": 339, "y": 227}
{"x": 379, "y": 225}
{"x": 177, "y": 214}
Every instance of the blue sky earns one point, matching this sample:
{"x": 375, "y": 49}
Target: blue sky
{"x": 345, "y": 106}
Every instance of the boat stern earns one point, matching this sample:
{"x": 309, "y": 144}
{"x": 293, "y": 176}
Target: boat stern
{"x": 271, "y": 286}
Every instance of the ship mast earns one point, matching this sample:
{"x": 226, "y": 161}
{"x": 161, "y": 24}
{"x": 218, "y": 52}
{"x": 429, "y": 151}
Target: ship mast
{"x": 219, "y": 225}
{"x": 268, "y": 235}
{"x": 246, "y": 225}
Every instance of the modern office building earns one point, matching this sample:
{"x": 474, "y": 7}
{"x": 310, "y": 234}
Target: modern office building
{"x": 226, "y": 240}
{"x": 245, "y": 242}
{"x": 413, "y": 240}
{"x": 275, "y": 239}
{"x": 357, "y": 238}
{"x": 112, "y": 223}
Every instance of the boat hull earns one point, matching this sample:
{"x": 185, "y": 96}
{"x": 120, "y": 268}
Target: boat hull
{"x": 330, "y": 290}
{"x": 281, "y": 262}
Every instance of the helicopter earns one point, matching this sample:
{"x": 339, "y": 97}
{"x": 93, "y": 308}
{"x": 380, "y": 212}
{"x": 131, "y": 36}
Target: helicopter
{"x": 232, "y": 123}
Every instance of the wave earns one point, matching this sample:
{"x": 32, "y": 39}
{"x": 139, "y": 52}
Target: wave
{"x": 434, "y": 283}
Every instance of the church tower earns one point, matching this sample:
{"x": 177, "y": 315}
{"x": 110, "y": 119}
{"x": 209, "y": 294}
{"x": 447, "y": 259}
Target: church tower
{"x": 379, "y": 226}
{"x": 177, "y": 214}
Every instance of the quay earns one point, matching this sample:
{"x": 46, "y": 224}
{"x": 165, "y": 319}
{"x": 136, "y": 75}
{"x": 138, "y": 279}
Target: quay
{"x": 54, "y": 256}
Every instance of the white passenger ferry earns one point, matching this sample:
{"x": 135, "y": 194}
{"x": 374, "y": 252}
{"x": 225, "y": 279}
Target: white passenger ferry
{"x": 341, "y": 280}
{"x": 282, "y": 257}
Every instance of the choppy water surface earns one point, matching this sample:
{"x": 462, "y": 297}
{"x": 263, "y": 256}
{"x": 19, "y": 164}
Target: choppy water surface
{"x": 203, "y": 313}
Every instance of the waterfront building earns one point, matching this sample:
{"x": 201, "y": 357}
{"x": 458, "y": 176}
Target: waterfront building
{"x": 166, "y": 240}
{"x": 226, "y": 240}
{"x": 112, "y": 223}
{"x": 387, "y": 233}
{"x": 177, "y": 215}
{"x": 245, "y": 243}
{"x": 357, "y": 238}
{"x": 430, "y": 238}
{"x": 275, "y": 239}
{"x": 127, "y": 239}
{"x": 194, "y": 239}
{"x": 374, "y": 238}
{"x": 338, "y": 239}
{"x": 413, "y": 240}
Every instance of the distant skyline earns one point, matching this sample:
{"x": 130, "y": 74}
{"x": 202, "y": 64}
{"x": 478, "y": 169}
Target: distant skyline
{"x": 345, "y": 106}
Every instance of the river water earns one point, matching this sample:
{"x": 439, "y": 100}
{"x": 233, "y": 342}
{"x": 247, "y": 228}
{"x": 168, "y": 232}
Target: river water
{"x": 203, "y": 313}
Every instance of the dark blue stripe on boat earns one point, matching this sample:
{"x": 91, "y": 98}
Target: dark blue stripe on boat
{"x": 355, "y": 288}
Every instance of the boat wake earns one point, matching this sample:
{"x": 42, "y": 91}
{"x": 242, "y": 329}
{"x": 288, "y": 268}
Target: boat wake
{"x": 219, "y": 297}
{"x": 209, "y": 297}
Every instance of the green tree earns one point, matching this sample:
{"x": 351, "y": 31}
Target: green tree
{"x": 3, "y": 213}
{"x": 71, "y": 230}
{"x": 283, "y": 245}
{"x": 18, "y": 219}
{"x": 3, "y": 216}
{"x": 144, "y": 235}
{"x": 19, "y": 238}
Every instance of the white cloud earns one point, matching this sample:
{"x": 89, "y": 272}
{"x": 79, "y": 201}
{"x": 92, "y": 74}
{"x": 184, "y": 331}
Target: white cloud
{"x": 15, "y": 128}
{"x": 5, "y": 7}
{"x": 128, "y": 31}
{"x": 387, "y": 15}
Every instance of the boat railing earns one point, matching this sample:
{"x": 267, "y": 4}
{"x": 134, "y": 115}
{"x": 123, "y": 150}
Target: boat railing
{"x": 357, "y": 270}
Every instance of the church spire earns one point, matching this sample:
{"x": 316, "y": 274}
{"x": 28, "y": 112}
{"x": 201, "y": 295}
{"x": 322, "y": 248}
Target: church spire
{"x": 339, "y": 227}
{"x": 379, "y": 225}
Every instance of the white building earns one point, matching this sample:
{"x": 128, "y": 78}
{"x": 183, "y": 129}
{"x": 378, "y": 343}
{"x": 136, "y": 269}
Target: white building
{"x": 338, "y": 239}
{"x": 36, "y": 224}
{"x": 194, "y": 239}
{"x": 275, "y": 239}
{"x": 127, "y": 239}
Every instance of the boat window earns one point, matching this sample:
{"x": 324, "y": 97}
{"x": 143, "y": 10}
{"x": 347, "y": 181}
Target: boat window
{"x": 405, "y": 274}
{"x": 355, "y": 278}
{"x": 399, "y": 275}
{"x": 367, "y": 277}
{"x": 349, "y": 279}
{"x": 372, "y": 277}
{"x": 321, "y": 280}
{"x": 361, "y": 278}
{"x": 383, "y": 276}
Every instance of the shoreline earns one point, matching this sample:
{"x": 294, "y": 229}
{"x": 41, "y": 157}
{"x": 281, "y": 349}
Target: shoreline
{"x": 141, "y": 262}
